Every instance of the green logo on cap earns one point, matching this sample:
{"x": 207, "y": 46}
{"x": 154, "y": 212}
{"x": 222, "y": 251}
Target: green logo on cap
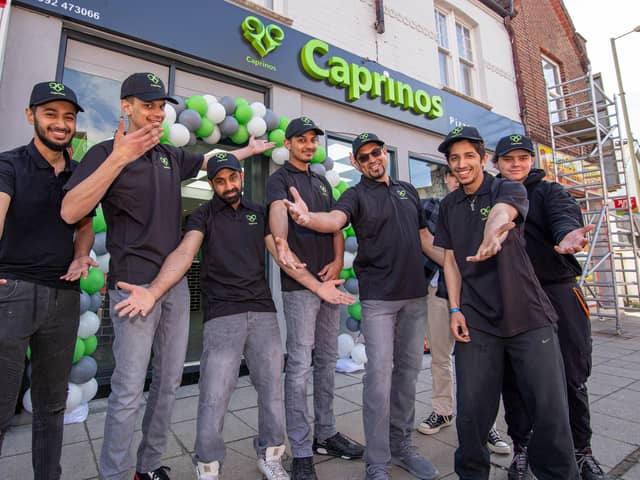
{"x": 251, "y": 218}
{"x": 515, "y": 138}
{"x": 154, "y": 79}
{"x": 306, "y": 120}
{"x": 363, "y": 136}
{"x": 221, "y": 156}
{"x": 456, "y": 131}
{"x": 263, "y": 39}
{"x": 56, "y": 88}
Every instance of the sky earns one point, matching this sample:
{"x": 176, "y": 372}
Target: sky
{"x": 597, "y": 22}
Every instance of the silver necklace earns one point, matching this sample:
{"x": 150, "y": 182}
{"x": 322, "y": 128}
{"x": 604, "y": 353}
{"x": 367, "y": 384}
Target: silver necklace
{"x": 472, "y": 202}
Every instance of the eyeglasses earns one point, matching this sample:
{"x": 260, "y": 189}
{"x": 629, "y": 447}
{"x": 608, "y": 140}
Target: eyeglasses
{"x": 364, "y": 157}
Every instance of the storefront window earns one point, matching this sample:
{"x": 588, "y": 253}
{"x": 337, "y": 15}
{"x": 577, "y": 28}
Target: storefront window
{"x": 428, "y": 177}
{"x": 339, "y": 149}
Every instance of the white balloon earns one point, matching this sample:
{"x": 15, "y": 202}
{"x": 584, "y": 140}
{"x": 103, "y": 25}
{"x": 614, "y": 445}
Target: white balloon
{"x": 88, "y": 390}
{"x": 345, "y": 345}
{"x": 210, "y": 99}
{"x": 103, "y": 262}
{"x": 332, "y": 177}
{"x": 89, "y": 324}
{"x": 74, "y": 396}
{"x": 214, "y": 137}
{"x": 179, "y": 134}
{"x": 259, "y": 110}
{"x": 257, "y": 127}
{"x": 280, "y": 155}
{"x": 348, "y": 260}
{"x": 216, "y": 112}
{"x": 93, "y": 256}
{"x": 359, "y": 354}
{"x": 26, "y": 401}
{"x": 170, "y": 114}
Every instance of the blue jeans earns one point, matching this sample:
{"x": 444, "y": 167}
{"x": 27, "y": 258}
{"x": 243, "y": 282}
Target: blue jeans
{"x": 312, "y": 335}
{"x": 164, "y": 331}
{"x": 47, "y": 319}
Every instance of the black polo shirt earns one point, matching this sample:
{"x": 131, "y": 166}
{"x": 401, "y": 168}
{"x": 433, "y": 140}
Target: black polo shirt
{"x": 313, "y": 248}
{"x": 36, "y": 245}
{"x": 233, "y": 258}
{"x": 500, "y": 296}
{"x": 387, "y": 220}
{"x": 142, "y": 208}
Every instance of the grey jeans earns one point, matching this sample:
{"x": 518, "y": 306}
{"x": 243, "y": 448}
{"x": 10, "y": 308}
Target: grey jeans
{"x": 312, "y": 333}
{"x": 257, "y": 335}
{"x": 394, "y": 338}
{"x": 164, "y": 331}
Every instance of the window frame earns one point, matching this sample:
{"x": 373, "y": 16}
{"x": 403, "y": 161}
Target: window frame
{"x": 553, "y": 97}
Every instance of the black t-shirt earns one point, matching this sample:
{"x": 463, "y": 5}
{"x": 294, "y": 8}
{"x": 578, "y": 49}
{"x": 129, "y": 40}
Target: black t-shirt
{"x": 142, "y": 208}
{"x": 313, "y": 248}
{"x": 387, "y": 220}
{"x": 36, "y": 244}
{"x": 500, "y": 296}
{"x": 233, "y": 258}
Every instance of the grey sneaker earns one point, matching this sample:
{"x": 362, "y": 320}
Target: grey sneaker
{"x": 271, "y": 465}
{"x": 414, "y": 463}
{"x": 377, "y": 472}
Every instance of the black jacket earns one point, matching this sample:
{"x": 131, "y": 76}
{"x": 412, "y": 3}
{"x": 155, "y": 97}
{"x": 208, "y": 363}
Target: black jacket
{"x": 553, "y": 213}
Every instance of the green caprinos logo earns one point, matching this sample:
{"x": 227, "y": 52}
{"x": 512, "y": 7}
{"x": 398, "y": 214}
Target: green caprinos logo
{"x": 456, "y": 131}
{"x": 306, "y": 120}
{"x": 154, "y": 79}
{"x": 251, "y": 218}
{"x": 484, "y": 213}
{"x": 263, "y": 39}
{"x": 165, "y": 163}
{"x": 56, "y": 88}
{"x": 515, "y": 139}
{"x": 363, "y": 136}
{"x": 402, "y": 194}
{"x": 221, "y": 156}
{"x": 323, "y": 190}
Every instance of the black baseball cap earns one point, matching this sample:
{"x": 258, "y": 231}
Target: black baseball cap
{"x": 363, "y": 139}
{"x": 145, "y": 86}
{"x": 457, "y": 134}
{"x": 45, "y": 92}
{"x": 222, "y": 160}
{"x": 298, "y": 126}
{"x": 514, "y": 141}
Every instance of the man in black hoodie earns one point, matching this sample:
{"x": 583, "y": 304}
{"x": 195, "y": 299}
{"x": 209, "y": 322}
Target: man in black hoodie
{"x": 554, "y": 231}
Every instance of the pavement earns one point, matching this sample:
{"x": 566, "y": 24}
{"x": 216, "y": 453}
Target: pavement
{"x": 614, "y": 389}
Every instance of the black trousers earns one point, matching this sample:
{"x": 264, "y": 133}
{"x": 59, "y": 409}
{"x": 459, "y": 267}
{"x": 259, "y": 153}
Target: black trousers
{"x": 574, "y": 334}
{"x": 535, "y": 357}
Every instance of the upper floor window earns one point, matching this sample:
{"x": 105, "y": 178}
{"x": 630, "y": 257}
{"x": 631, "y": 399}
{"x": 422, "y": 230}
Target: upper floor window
{"x": 277, "y": 6}
{"x": 551, "y": 73}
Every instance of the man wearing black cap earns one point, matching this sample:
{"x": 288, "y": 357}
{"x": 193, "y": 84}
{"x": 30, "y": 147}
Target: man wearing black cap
{"x": 312, "y": 324}
{"x": 391, "y": 230}
{"x": 499, "y": 313}
{"x": 239, "y": 316}
{"x": 554, "y": 231}
{"x": 138, "y": 182}
{"x": 40, "y": 264}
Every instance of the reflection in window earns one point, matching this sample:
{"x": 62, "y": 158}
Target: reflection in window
{"x": 339, "y": 151}
{"x": 428, "y": 177}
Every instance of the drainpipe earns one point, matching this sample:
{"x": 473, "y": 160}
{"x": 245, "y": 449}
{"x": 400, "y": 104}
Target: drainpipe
{"x": 379, "y": 16}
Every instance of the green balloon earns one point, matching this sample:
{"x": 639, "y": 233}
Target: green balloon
{"x": 350, "y": 231}
{"x": 205, "y": 129}
{"x": 94, "y": 281}
{"x": 268, "y": 153}
{"x": 165, "y": 131}
{"x": 319, "y": 156}
{"x": 284, "y": 123}
{"x": 241, "y": 101}
{"x": 342, "y": 186}
{"x": 355, "y": 311}
{"x": 345, "y": 273}
{"x": 336, "y": 193}
{"x": 243, "y": 114}
{"x": 99, "y": 223}
{"x": 197, "y": 103}
{"x": 90, "y": 345}
{"x": 241, "y": 135}
{"x": 277, "y": 136}
{"x": 79, "y": 350}
{"x": 28, "y": 352}
{"x": 165, "y": 141}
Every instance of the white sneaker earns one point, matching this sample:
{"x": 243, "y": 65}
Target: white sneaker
{"x": 496, "y": 444}
{"x": 208, "y": 471}
{"x": 271, "y": 465}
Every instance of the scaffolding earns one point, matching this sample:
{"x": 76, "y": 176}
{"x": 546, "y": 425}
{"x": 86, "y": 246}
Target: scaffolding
{"x": 589, "y": 160}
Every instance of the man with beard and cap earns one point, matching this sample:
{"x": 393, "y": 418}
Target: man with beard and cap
{"x": 40, "y": 263}
{"x": 138, "y": 181}
{"x": 499, "y": 314}
{"x": 240, "y": 316}
{"x": 312, "y": 324}
{"x": 554, "y": 231}
{"x": 392, "y": 236}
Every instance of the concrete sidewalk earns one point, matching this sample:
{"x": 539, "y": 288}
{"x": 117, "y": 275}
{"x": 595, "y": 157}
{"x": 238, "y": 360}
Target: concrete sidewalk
{"x": 614, "y": 389}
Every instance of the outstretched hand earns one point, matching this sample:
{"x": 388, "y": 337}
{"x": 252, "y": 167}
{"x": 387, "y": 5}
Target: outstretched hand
{"x": 79, "y": 267}
{"x": 329, "y": 292}
{"x": 298, "y": 208}
{"x": 140, "y": 301}
{"x": 492, "y": 243}
{"x": 574, "y": 241}
{"x": 257, "y": 145}
{"x": 285, "y": 256}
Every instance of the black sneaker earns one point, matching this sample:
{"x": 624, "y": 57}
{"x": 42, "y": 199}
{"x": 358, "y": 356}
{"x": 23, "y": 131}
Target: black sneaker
{"x": 339, "y": 446}
{"x": 302, "y": 469}
{"x": 496, "y": 444}
{"x": 588, "y": 466}
{"x": 519, "y": 468}
{"x": 434, "y": 423}
{"x": 158, "y": 474}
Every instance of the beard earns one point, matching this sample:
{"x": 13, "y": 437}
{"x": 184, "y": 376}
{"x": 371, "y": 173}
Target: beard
{"x": 231, "y": 199}
{"x": 51, "y": 145}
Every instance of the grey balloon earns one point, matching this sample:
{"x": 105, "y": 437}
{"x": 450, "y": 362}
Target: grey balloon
{"x": 85, "y": 301}
{"x": 84, "y": 370}
{"x": 352, "y": 324}
{"x": 351, "y": 286}
{"x": 229, "y": 104}
{"x": 229, "y": 126}
{"x": 192, "y": 139}
{"x": 272, "y": 120}
{"x": 28, "y": 370}
{"x": 100, "y": 243}
{"x": 264, "y": 137}
{"x": 328, "y": 163}
{"x": 318, "y": 169}
{"x": 351, "y": 244}
{"x": 190, "y": 119}
{"x": 180, "y": 106}
{"x": 96, "y": 301}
